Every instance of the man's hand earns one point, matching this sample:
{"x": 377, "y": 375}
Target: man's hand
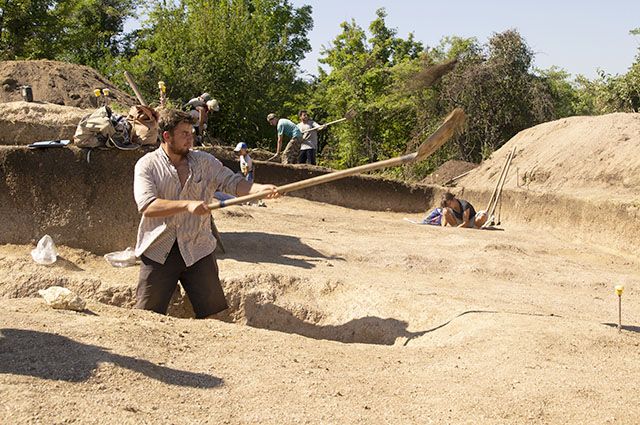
{"x": 197, "y": 208}
{"x": 272, "y": 189}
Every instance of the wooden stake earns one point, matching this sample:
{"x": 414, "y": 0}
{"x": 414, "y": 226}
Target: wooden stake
{"x": 133, "y": 86}
{"x": 498, "y": 193}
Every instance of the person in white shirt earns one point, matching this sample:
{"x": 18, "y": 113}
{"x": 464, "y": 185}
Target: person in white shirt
{"x": 199, "y": 108}
{"x": 172, "y": 186}
{"x": 309, "y": 146}
{"x": 246, "y": 163}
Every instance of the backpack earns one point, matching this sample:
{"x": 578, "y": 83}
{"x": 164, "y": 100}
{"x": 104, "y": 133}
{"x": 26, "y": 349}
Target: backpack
{"x": 94, "y": 129}
{"x": 144, "y": 125}
{"x": 103, "y": 128}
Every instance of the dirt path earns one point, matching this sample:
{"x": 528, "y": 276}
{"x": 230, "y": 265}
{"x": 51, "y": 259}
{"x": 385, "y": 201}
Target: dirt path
{"x": 355, "y": 317}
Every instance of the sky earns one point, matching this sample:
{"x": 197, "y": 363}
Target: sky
{"x": 580, "y": 37}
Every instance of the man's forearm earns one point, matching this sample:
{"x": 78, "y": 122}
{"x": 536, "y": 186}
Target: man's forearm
{"x": 279, "y": 144}
{"x": 165, "y": 208}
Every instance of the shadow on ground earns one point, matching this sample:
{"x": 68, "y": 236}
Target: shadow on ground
{"x": 364, "y": 330}
{"x": 56, "y": 357}
{"x": 629, "y": 328}
{"x": 259, "y": 247}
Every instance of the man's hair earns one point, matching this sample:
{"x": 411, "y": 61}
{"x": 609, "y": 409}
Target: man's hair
{"x": 447, "y": 196}
{"x": 302, "y": 111}
{"x": 171, "y": 118}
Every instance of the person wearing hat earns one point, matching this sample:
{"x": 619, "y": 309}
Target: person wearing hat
{"x": 171, "y": 187}
{"x": 199, "y": 108}
{"x": 287, "y": 128}
{"x": 246, "y": 163}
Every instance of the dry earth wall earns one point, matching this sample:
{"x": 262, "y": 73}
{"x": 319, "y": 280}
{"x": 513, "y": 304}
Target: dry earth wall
{"x": 89, "y": 204}
{"x": 611, "y": 224}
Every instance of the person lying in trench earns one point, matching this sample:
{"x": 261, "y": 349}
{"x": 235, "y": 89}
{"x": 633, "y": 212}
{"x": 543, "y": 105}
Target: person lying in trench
{"x": 460, "y": 213}
{"x": 175, "y": 242}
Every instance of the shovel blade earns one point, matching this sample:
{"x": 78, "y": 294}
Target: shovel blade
{"x": 453, "y": 123}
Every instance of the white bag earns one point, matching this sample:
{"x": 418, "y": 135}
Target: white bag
{"x": 45, "y": 252}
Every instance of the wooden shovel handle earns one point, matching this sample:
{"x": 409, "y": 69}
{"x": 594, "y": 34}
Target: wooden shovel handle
{"x": 134, "y": 87}
{"x": 324, "y": 125}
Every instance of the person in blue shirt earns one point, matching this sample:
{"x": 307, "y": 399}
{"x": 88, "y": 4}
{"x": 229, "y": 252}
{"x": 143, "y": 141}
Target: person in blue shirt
{"x": 286, "y": 128}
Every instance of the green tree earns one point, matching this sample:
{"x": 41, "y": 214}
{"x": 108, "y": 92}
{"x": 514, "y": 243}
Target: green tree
{"x": 245, "y": 53}
{"x": 93, "y": 31}
{"x": 499, "y": 93}
{"x": 362, "y": 77}
{"x": 564, "y": 93}
{"x": 88, "y": 32}
{"x": 28, "y": 28}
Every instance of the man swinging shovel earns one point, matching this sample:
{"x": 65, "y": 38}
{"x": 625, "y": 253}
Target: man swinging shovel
{"x": 309, "y": 129}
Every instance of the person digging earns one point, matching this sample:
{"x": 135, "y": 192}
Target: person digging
{"x": 175, "y": 242}
{"x": 199, "y": 108}
{"x": 286, "y": 128}
{"x": 460, "y": 213}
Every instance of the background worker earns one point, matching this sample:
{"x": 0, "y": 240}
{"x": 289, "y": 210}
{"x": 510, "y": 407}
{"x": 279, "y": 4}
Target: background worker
{"x": 460, "y": 213}
{"x": 199, "y": 108}
{"x": 175, "y": 242}
{"x": 286, "y": 128}
{"x": 246, "y": 163}
{"x": 309, "y": 146}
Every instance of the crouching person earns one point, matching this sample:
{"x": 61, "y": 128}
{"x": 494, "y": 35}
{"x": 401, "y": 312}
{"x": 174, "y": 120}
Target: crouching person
{"x": 171, "y": 187}
{"x": 460, "y": 213}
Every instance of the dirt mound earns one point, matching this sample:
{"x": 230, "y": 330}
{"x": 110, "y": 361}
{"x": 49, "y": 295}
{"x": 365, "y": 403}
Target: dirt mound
{"x": 594, "y": 158}
{"x": 22, "y": 122}
{"x": 57, "y": 82}
{"x": 447, "y": 171}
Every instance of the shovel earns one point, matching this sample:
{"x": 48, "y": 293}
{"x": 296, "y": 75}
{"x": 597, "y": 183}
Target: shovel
{"x": 451, "y": 124}
{"x": 351, "y": 114}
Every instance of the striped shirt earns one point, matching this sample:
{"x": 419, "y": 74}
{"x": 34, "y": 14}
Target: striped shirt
{"x": 156, "y": 178}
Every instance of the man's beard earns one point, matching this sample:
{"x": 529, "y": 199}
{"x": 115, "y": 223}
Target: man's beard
{"x": 181, "y": 151}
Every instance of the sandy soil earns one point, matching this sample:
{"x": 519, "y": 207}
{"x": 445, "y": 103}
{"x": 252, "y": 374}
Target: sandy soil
{"x": 343, "y": 316}
{"x": 448, "y": 171}
{"x": 594, "y": 158}
{"x": 57, "y": 82}
{"x": 338, "y": 316}
{"x": 22, "y": 123}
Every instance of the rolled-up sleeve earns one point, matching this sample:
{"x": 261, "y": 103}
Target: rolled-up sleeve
{"x": 144, "y": 187}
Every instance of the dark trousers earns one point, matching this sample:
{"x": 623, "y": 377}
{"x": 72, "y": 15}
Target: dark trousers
{"x": 307, "y": 156}
{"x": 201, "y": 282}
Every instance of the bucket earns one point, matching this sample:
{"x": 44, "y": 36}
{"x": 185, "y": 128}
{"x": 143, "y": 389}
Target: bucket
{"x": 27, "y": 93}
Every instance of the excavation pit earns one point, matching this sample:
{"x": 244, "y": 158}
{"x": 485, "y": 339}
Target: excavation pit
{"x": 266, "y": 301}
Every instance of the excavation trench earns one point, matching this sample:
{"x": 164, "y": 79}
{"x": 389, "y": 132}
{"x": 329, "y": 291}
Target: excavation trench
{"x": 266, "y": 301}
